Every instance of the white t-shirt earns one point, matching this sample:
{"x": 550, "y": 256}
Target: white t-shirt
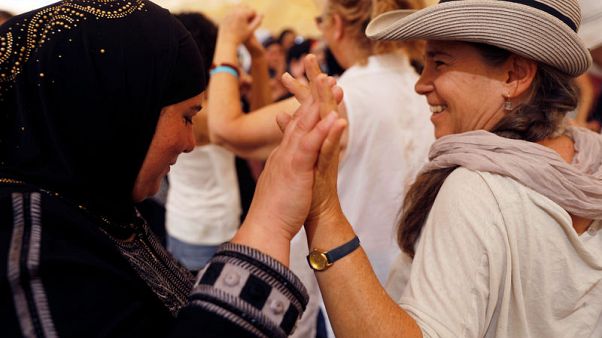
{"x": 390, "y": 134}
{"x": 497, "y": 259}
{"x": 203, "y": 202}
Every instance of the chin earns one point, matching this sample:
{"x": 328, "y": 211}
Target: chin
{"x": 440, "y": 134}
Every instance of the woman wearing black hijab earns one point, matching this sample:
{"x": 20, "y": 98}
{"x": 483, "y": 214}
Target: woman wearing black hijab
{"x": 96, "y": 102}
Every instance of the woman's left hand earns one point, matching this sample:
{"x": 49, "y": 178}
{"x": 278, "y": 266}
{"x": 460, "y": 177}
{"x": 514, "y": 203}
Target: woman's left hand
{"x": 284, "y": 191}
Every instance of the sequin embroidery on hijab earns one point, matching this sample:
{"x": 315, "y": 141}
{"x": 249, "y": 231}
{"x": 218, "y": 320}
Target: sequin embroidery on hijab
{"x": 82, "y": 84}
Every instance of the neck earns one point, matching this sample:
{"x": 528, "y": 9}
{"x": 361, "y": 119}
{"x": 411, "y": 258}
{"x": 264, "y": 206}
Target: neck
{"x": 348, "y": 53}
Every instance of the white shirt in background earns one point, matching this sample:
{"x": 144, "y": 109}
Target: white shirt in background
{"x": 203, "y": 203}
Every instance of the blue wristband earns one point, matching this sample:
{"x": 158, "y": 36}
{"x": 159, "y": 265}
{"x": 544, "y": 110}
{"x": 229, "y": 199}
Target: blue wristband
{"x": 224, "y": 69}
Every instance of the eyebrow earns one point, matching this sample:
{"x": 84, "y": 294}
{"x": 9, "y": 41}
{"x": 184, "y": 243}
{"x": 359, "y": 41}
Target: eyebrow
{"x": 433, "y": 53}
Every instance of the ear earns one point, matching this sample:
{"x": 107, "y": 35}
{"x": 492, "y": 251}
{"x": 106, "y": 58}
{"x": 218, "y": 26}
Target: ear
{"x": 338, "y": 26}
{"x": 520, "y": 75}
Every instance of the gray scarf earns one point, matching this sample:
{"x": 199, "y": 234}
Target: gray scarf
{"x": 576, "y": 187}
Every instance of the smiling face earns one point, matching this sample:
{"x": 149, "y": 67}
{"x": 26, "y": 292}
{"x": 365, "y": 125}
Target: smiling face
{"x": 464, "y": 91}
{"x": 173, "y": 136}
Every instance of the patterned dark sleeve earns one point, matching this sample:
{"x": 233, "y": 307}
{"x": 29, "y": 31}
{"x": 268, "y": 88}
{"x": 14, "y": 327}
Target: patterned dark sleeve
{"x": 248, "y": 291}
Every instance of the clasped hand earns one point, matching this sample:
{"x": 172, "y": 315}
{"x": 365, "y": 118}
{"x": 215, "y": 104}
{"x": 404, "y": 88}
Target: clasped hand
{"x": 300, "y": 176}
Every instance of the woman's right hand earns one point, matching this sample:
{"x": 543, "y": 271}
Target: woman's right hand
{"x": 238, "y": 25}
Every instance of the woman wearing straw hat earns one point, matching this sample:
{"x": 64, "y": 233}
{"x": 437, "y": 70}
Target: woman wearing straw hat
{"x": 502, "y": 225}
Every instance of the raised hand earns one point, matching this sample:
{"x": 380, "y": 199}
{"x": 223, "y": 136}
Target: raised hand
{"x": 283, "y": 196}
{"x": 239, "y": 25}
{"x": 309, "y": 95}
{"x": 322, "y": 95}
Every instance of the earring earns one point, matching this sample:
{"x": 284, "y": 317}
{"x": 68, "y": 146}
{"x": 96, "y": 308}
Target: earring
{"x": 508, "y": 106}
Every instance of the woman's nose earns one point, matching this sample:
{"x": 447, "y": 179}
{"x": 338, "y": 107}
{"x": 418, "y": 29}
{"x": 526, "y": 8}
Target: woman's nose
{"x": 190, "y": 141}
{"x": 424, "y": 85}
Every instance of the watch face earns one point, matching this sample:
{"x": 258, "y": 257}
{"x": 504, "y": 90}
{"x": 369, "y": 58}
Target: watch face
{"x": 318, "y": 260}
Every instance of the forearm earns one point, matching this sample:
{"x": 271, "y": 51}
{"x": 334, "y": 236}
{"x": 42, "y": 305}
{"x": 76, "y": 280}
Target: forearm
{"x": 260, "y": 90}
{"x": 258, "y": 134}
{"x": 252, "y": 135}
{"x": 224, "y": 94}
{"x": 357, "y": 305}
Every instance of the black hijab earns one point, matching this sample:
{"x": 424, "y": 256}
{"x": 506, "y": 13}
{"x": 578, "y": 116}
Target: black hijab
{"x": 82, "y": 85}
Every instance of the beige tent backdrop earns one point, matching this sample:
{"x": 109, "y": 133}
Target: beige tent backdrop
{"x": 278, "y": 14}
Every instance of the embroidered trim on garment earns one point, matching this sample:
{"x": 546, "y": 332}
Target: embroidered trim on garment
{"x": 24, "y": 260}
{"x": 168, "y": 280}
{"x": 252, "y": 286}
{"x": 234, "y": 318}
{"x": 277, "y": 283}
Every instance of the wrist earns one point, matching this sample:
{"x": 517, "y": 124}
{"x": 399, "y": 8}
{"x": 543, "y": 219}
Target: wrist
{"x": 224, "y": 37}
{"x": 266, "y": 237}
{"x": 329, "y": 228}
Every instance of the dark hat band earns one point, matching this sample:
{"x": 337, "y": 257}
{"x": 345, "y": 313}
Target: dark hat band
{"x": 542, "y": 7}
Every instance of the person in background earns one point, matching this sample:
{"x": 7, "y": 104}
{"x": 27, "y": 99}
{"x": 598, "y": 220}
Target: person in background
{"x": 589, "y": 113}
{"x": 76, "y": 258}
{"x": 276, "y": 57}
{"x": 203, "y": 202}
{"x": 287, "y": 39}
{"x": 295, "y": 55}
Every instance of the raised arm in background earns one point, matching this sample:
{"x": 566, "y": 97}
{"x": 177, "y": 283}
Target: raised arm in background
{"x": 252, "y": 135}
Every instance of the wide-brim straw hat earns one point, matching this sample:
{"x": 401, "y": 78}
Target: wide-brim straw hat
{"x": 542, "y": 30}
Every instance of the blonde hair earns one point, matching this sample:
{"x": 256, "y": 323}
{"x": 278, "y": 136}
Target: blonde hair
{"x": 356, "y": 14}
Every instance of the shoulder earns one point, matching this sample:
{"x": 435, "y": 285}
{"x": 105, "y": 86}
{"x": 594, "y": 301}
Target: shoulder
{"x": 465, "y": 204}
{"x": 467, "y": 183}
{"x": 472, "y": 184}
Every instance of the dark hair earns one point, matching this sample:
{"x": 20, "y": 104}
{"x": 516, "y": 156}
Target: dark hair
{"x": 552, "y": 95}
{"x": 333, "y": 67}
{"x": 298, "y": 50}
{"x": 271, "y": 41}
{"x": 204, "y": 33}
{"x": 284, "y": 33}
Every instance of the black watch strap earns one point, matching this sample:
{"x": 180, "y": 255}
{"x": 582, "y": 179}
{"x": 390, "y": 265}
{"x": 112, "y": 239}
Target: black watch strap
{"x": 320, "y": 260}
{"x": 343, "y": 250}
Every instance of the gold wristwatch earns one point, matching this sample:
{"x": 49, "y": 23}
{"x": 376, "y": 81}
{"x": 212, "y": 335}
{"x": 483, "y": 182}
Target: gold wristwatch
{"x": 321, "y": 260}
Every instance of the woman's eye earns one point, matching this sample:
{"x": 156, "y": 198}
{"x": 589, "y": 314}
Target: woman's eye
{"x": 439, "y": 63}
